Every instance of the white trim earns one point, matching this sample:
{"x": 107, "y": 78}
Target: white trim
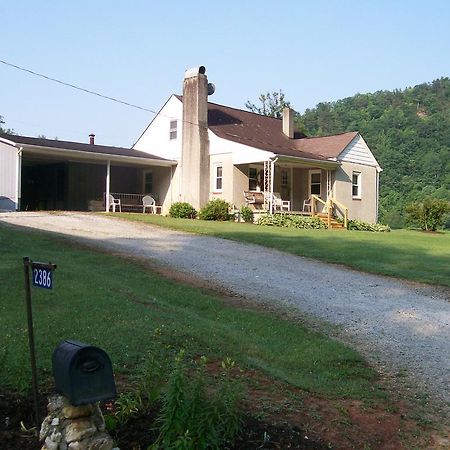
{"x": 358, "y": 185}
{"x": 358, "y": 152}
{"x": 311, "y": 172}
{"x": 7, "y": 141}
{"x": 92, "y": 156}
{"x": 173, "y": 129}
{"x": 215, "y": 177}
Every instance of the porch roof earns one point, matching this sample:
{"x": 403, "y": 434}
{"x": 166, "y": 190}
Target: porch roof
{"x": 82, "y": 151}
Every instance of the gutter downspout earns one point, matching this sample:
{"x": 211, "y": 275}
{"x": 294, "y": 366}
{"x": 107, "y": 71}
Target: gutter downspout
{"x": 19, "y": 178}
{"x": 377, "y": 204}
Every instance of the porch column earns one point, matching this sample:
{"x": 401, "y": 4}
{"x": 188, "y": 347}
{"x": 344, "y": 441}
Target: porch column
{"x": 108, "y": 182}
{"x": 19, "y": 179}
{"x": 328, "y": 185}
{"x": 272, "y": 176}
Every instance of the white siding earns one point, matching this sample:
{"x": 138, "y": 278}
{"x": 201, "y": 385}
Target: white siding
{"x": 358, "y": 152}
{"x": 9, "y": 161}
{"x": 156, "y": 138}
{"x": 241, "y": 154}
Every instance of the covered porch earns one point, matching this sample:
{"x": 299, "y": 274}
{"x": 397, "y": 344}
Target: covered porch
{"x": 290, "y": 185}
{"x": 63, "y": 179}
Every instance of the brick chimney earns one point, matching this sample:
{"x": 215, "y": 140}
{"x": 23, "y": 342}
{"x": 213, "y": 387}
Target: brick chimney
{"x": 92, "y": 139}
{"x": 288, "y": 122}
{"x": 195, "y": 178}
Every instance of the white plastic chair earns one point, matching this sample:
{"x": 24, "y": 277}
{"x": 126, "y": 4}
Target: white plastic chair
{"x": 279, "y": 203}
{"x": 307, "y": 204}
{"x": 148, "y": 202}
{"x": 113, "y": 202}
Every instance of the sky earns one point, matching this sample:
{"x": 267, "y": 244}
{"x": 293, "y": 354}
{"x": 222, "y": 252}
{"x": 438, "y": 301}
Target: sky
{"x": 137, "y": 51}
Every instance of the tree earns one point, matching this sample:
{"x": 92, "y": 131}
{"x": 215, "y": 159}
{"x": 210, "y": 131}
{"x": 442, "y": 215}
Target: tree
{"x": 5, "y": 130}
{"x": 429, "y": 214}
{"x": 409, "y": 133}
{"x": 272, "y": 104}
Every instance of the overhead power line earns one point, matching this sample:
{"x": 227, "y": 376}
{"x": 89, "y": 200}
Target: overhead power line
{"x": 88, "y": 91}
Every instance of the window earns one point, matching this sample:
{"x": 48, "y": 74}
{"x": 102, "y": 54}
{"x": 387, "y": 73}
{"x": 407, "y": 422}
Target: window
{"x": 284, "y": 178}
{"x": 356, "y": 185}
{"x": 173, "y": 129}
{"x": 218, "y": 178}
{"x": 148, "y": 182}
{"x": 252, "y": 179}
{"x": 315, "y": 181}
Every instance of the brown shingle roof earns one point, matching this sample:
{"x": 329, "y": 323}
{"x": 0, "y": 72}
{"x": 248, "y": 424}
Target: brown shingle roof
{"x": 266, "y": 133}
{"x": 78, "y": 146}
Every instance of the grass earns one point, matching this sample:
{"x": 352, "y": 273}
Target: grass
{"x": 407, "y": 254}
{"x": 126, "y": 309}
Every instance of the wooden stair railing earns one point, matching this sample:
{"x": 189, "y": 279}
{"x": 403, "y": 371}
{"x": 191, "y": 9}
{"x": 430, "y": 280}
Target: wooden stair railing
{"x": 329, "y": 205}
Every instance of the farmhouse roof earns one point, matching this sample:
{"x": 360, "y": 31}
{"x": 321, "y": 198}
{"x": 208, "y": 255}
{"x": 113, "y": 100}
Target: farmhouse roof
{"x": 266, "y": 133}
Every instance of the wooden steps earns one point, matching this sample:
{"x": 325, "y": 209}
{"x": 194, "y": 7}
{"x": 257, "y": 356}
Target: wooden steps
{"x": 335, "y": 225}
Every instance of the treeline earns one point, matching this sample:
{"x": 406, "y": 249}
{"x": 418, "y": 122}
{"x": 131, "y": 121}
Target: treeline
{"x": 409, "y": 133}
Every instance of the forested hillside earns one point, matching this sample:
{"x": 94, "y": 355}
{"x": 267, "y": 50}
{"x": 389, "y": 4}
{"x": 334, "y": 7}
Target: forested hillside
{"x": 409, "y": 134}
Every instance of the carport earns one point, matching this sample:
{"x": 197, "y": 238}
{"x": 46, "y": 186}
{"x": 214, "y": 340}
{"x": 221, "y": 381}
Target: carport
{"x": 63, "y": 175}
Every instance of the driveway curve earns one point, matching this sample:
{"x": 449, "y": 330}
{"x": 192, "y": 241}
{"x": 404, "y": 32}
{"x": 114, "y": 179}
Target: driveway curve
{"x": 398, "y": 325}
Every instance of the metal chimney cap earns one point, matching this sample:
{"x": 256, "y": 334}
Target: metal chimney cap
{"x": 195, "y": 71}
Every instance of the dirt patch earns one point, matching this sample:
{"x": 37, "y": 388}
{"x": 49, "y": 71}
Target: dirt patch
{"x": 278, "y": 417}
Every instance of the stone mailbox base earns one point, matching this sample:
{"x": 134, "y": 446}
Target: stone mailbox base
{"x": 69, "y": 427}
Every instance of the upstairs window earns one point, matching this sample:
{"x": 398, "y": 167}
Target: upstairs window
{"x": 356, "y": 185}
{"x": 218, "y": 178}
{"x": 173, "y": 130}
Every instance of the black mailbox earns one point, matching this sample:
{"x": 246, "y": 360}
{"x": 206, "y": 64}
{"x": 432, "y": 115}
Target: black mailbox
{"x": 83, "y": 373}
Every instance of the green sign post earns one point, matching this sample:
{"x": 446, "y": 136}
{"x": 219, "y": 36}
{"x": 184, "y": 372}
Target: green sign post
{"x": 42, "y": 276}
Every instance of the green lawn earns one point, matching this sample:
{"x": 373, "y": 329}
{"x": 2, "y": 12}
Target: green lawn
{"x": 127, "y": 309}
{"x": 408, "y": 254}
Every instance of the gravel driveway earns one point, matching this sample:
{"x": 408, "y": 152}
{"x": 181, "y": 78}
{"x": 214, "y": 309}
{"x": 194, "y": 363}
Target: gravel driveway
{"x": 398, "y": 325}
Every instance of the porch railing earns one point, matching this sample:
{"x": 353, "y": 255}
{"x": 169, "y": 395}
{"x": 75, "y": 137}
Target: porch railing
{"x": 329, "y": 206}
{"x": 342, "y": 207}
{"x": 128, "y": 201}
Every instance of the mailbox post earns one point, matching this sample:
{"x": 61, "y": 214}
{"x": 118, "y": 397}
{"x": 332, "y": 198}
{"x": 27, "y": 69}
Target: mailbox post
{"x": 42, "y": 275}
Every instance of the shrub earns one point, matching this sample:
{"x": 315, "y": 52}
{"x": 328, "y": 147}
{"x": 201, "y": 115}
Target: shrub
{"x": 217, "y": 209}
{"x": 428, "y": 214}
{"x": 194, "y": 415}
{"x": 246, "y": 214}
{"x": 182, "y": 210}
{"x": 359, "y": 225}
{"x": 290, "y": 221}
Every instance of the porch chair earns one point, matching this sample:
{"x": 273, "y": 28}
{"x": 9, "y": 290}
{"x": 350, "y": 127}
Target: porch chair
{"x": 148, "y": 202}
{"x": 279, "y": 203}
{"x": 307, "y": 203}
{"x": 113, "y": 202}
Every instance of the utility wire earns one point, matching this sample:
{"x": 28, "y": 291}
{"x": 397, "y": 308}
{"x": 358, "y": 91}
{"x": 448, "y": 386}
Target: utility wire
{"x": 78, "y": 87}
{"x": 88, "y": 91}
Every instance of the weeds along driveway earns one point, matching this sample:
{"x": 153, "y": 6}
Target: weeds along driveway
{"x": 397, "y": 325}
